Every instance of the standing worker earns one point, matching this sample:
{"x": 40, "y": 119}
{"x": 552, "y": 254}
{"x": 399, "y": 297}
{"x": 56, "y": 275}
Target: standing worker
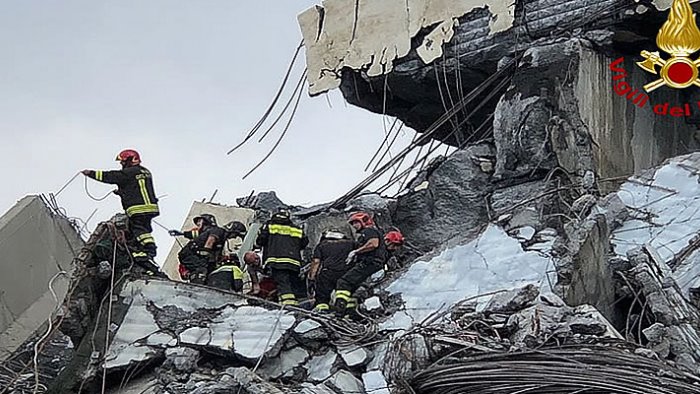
{"x": 328, "y": 265}
{"x": 199, "y": 256}
{"x": 135, "y": 188}
{"x": 281, "y": 242}
{"x": 369, "y": 258}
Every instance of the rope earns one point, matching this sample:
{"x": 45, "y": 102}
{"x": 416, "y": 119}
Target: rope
{"x": 67, "y": 183}
{"x": 109, "y": 317}
{"x": 93, "y": 197}
{"x": 35, "y": 359}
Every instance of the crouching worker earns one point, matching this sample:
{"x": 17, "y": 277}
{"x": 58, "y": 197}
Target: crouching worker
{"x": 281, "y": 242}
{"x": 199, "y": 256}
{"x": 393, "y": 240}
{"x": 328, "y": 265}
{"x": 368, "y": 258}
{"x": 228, "y": 275}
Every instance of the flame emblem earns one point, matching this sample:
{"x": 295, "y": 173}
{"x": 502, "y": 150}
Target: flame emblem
{"x": 679, "y": 37}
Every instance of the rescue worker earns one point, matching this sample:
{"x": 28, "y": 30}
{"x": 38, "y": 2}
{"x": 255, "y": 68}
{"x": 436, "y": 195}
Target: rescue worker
{"x": 369, "y": 258}
{"x": 138, "y": 197}
{"x": 394, "y": 241}
{"x": 199, "y": 256}
{"x": 282, "y": 242}
{"x": 328, "y": 265}
{"x": 228, "y": 275}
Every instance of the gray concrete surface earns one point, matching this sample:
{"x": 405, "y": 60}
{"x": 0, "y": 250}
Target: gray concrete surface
{"x": 35, "y": 245}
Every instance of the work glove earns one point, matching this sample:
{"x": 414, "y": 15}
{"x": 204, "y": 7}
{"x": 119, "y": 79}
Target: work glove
{"x": 175, "y": 233}
{"x": 351, "y": 257}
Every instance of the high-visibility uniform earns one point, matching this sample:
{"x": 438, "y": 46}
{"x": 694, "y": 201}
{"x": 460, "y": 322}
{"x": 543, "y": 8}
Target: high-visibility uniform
{"x": 138, "y": 197}
{"x": 226, "y": 277}
{"x": 282, "y": 242}
{"x": 195, "y": 258}
{"x": 332, "y": 253}
{"x": 365, "y": 266}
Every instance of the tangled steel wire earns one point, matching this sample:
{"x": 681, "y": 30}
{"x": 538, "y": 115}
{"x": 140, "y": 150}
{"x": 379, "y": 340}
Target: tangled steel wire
{"x": 565, "y": 370}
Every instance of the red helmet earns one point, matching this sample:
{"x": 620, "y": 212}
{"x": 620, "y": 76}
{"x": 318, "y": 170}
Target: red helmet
{"x": 363, "y": 218}
{"x": 394, "y": 238}
{"x": 129, "y": 156}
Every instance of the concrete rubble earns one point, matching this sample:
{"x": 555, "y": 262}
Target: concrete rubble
{"x": 533, "y": 244}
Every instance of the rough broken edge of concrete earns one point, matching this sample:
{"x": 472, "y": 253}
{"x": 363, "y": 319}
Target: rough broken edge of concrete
{"x": 380, "y": 32}
{"x": 234, "y": 330}
{"x": 663, "y": 5}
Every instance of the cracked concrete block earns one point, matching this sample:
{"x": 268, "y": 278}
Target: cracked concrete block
{"x": 196, "y": 336}
{"x": 308, "y": 388}
{"x": 375, "y": 383}
{"x": 587, "y": 326}
{"x": 354, "y": 356}
{"x": 285, "y": 363}
{"x": 183, "y": 359}
{"x": 379, "y": 354}
{"x": 525, "y": 233}
{"x": 310, "y": 331}
{"x": 687, "y": 363}
{"x": 250, "y": 382}
{"x": 655, "y": 333}
{"x": 513, "y": 300}
{"x": 320, "y": 367}
{"x": 345, "y": 382}
{"x": 373, "y": 304}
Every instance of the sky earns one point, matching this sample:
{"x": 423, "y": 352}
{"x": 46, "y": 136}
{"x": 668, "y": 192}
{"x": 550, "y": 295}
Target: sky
{"x": 181, "y": 82}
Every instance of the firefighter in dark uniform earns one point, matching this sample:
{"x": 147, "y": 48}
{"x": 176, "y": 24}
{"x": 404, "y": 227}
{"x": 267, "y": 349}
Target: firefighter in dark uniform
{"x": 199, "y": 256}
{"x": 282, "y": 242}
{"x": 227, "y": 275}
{"x": 369, "y": 257}
{"x": 393, "y": 240}
{"x": 328, "y": 265}
{"x": 135, "y": 188}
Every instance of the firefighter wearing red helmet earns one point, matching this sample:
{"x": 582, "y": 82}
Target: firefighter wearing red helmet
{"x": 135, "y": 188}
{"x": 369, "y": 258}
{"x": 393, "y": 240}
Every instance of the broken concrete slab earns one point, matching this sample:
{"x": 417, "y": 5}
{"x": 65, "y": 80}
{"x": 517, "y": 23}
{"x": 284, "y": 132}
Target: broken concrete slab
{"x": 372, "y": 304}
{"x": 320, "y": 367}
{"x": 345, "y": 382}
{"x": 310, "y": 330}
{"x": 513, "y": 300}
{"x": 354, "y": 356}
{"x": 284, "y": 364}
{"x": 375, "y": 382}
{"x": 223, "y": 322}
{"x": 182, "y": 359}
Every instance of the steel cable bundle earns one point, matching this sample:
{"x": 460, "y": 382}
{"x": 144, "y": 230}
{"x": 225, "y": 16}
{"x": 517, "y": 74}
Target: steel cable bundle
{"x": 569, "y": 369}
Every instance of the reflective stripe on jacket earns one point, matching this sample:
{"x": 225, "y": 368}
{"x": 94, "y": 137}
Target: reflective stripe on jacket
{"x": 282, "y": 244}
{"x": 134, "y": 186}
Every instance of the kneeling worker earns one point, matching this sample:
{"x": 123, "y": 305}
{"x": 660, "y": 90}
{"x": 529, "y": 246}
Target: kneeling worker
{"x": 199, "y": 256}
{"x": 228, "y": 275}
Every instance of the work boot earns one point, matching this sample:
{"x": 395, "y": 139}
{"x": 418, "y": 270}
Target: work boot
{"x": 322, "y": 309}
{"x": 340, "y": 307}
